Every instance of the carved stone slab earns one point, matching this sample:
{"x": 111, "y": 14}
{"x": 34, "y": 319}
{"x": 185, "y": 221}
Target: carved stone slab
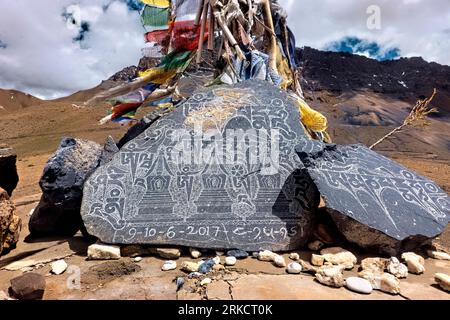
{"x": 378, "y": 192}
{"x": 220, "y": 172}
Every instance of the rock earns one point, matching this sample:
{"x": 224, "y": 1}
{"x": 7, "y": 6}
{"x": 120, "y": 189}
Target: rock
{"x": 323, "y": 233}
{"x": 205, "y": 282}
{"x": 8, "y": 176}
{"x": 137, "y": 259}
{"x": 266, "y": 255}
{"x": 195, "y": 275}
{"x": 345, "y": 258}
{"x": 438, "y": 255}
{"x": 190, "y": 267}
{"x": 109, "y": 150}
{"x": 376, "y": 265}
{"x": 358, "y": 285}
{"x": 396, "y": 268}
{"x": 279, "y": 261}
{"x": 220, "y": 253}
{"x": 294, "y": 256}
{"x": 218, "y": 267}
{"x": 10, "y": 223}
{"x": 169, "y": 265}
{"x": 100, "y": 251}
{"x": 414, "y": 262}
{"x": 230, "y": 261}
{"x": 30, "y": 286}
{"x": 205, "y": 267}
{"x": 180, "y": 283}
{"x": 134, "y": 251}
{"x": 4, "y": 296}
{"x": 195, "y": 253}
{"x": 316, "y": 245}
{"x": 238, "y": 254}
{"x": 171, "y": 254}
{"x": 443, "y": 281}
{"x": 306, "y": 267}
{"x": 331, "y": 276}
{"x": 216, "y": 260}
{"x": 58, "y": 212}
{"x": 385, "y": 282}
{"x": 332, "y": 250}
{"x": 58, "y": 267}
{"x": 368, "y": 195}
{"x": 200, "y": 204}
{"x": 317, "y": 260}
{"x": 294, "y": 268}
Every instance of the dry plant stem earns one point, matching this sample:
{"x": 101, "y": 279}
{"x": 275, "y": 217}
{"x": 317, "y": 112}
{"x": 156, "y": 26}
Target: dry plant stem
{"x": 418, "y": 113}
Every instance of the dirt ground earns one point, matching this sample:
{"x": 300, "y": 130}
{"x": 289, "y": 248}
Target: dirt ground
{"x": 35, "y": 134}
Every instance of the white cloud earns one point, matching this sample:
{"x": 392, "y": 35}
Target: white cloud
{"x": 41, "y": 57}
{"x": 416, "y": 27}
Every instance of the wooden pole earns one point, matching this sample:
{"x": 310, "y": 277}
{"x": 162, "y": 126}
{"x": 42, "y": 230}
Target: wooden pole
{"x": 199, "y": 13}
{"x": 229, "y": 35}
{"x": 273, "y": 39}
{"x": 202, "y": 31}
{"x": 211, "y": 29}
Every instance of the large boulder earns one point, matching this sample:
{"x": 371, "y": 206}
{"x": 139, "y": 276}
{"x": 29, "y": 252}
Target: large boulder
{"x": 219, "y": 172}
{"x": 10, "y": 223}
{"x": 8, "y": 170}
{"x": 375, "y": 202}
{"x": 58, "y": 212}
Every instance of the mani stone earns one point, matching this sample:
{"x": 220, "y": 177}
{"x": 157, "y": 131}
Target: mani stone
{"x": 375, "y": 202}
{"x": 219, "y": 172}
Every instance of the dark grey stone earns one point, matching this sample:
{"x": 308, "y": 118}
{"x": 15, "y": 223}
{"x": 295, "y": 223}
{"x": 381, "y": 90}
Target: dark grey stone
{"x": 206, "y": 266}
{"x": 8, "y": 170}
{"x": 30, "y": 286}
{"x": 238, "y": 254}
{"x": 109, "y": 150}
{"x": 145, "y": 195}
{"x": 374, "y": 201}
{"x": 58, "y": 212}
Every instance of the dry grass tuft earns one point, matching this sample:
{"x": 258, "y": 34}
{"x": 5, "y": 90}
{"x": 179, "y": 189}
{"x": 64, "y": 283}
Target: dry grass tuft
{"x": 417, "y": 118}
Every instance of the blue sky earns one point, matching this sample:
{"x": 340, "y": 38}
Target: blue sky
{"x": 43, "y": 53}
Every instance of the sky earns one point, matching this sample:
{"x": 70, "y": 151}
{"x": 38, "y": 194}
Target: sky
{"x": 52, "y": 48}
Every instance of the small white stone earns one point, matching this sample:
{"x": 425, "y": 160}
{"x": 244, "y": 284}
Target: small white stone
{"x": 317, "y": 260}
{"x": 294, "y": 256}
{"x": 279, "y": 261}
{"x": 217, "y": 260}
{"x": 103, "y": 252}
{"x": 137, "y": 259}
{"x": 414, "y": 262}
{"x": 438, "y": 255}
{"x": 58, "y": 267}
{"x": 344, "y": 258}
{"x": 443, "y": 281}
{"x": 205, "y": 282}
{"x": 220, "y": 253}
{"x": 190, "y": 266}
{"x": 195, "y": 253}
{"x": 230, "y": 261}
{"x": 169, "y": 265}
{"x": 169, "y": 253}
{"x": 266, "y": 255}
{"x": 294, "y": 268}
{"x": 396, "y": 268}
{"x": 359, "y": 285}
{"x": 31, "y": 212}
